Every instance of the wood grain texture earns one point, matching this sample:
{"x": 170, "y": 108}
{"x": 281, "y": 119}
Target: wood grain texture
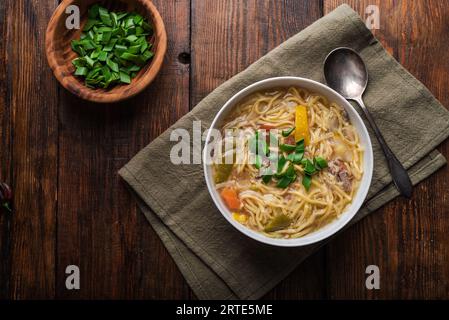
{"x": 406, "y": 239}
{"x": 100, "y": 228}
{"x": 5, "y": 156}
{"x": 32, "y": 98}
{"x": 227, "y": 36}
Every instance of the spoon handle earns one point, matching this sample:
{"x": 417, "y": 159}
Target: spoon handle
{"x": 397, "y": 171}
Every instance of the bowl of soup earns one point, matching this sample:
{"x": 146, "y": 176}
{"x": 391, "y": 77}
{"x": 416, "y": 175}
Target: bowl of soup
{"x": 288, "y": 161}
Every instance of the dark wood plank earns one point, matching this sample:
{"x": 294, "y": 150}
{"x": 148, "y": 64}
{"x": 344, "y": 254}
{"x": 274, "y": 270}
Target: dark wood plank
{"x": 227, "y": 36}
{"x": 406, "y": 239}
{"x": 100, "y": 228}
{"x": 32, "y": 100}
{"x": 5, "y": 155}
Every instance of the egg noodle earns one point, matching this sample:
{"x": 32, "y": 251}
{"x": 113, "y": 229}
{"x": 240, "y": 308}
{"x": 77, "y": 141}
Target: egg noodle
{"x": 331, "y": 137}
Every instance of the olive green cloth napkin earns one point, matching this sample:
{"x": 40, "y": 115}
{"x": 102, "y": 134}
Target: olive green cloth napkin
{"x": 217, "y": 261}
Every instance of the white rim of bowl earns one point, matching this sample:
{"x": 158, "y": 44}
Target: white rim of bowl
{"x": 331, "y": 228}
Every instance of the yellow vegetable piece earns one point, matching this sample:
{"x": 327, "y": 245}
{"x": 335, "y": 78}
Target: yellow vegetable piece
{"x": 302, "y": 125}
{"x": 242, "y": 218}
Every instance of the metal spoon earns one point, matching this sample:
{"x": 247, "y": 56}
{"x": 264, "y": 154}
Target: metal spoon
{"x": 346, "y": 73}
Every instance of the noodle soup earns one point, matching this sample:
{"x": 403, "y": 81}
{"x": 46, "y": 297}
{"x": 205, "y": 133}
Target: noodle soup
{"x": 289, "y": 162}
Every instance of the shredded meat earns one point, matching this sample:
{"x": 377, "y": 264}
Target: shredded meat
{"x": 339, "y": 170}
{"x": 290, "y": 140}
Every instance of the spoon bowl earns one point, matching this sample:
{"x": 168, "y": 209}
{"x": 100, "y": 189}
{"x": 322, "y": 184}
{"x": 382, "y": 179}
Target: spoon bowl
{"x": 346, "y": 72}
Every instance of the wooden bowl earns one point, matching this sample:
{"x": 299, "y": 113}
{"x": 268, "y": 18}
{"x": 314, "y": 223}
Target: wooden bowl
{"x": 60, "y": 53}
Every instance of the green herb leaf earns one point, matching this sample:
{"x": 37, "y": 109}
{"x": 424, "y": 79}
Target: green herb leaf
{"x": 267, "y": 178}
{"x": 309, "y": 168}
{"x": 81, "y": 71}
{"x": 133, "y": 68}
{"x": 286, "y": 133}
{"x": 114, "y": 18}
{"x": 281, "y": 163}
{"x": 134, "y": 49}
{"x": 124, "y": 77}
{"x": 300, "y": 147}
{"x": 147, "y": 55}
{"x": 284, "y": 182}
{"x": 287, "y": 178}
{"x": 295, "y": 157}
{"x": 112, "y": 48}
{"x": 106, "y": 37}
{"x": 106, "y": 73}
{"x": 320, "y": 162}
{"x": 102, "y": 56}
{"x": 144, "y": 46}
{"x": 79, "y": 62}
{"x": 89, "y": 24}
{"x": 132, "y": 57}
{"x": 146, "y": 26}
{"x": 138, "y": 19}
{"x": 307, "y": 181}
{"x": 287, "y": 147}
{"x": 104, "y": 16}
{"x": 131, "y": 38}
{"x": 89, "y": 61}
{"x": 290, "y": 171}
{"x": 111, "y": 64}
{"x": 121, "y": 15}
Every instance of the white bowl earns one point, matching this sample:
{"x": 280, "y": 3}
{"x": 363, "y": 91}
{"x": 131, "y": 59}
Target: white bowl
{"x": 360, "y": 196}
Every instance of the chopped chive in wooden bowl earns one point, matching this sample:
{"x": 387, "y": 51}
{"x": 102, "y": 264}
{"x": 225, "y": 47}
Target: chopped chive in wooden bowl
{"x": 113, "y": 47}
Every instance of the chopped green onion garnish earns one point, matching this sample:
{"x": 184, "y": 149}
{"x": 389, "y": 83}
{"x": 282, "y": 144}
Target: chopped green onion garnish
{"x": 284, "y": 182}
{"x": 112, "y": 48}
{"x": 300, "y": 147}
{"x": 322, "y": 164}
{"x": 286, "y": 133}
{"x": 124, "y": 77}
{"x": 81, "y": 71}
{"x": 281, "y": 163}
{"x": 309, "y": 168}
{"x": 266, "y": 178}
{"x": 307, "y": 181}
{"x": 295, "y": 157}
{"x": 287, "y": 147}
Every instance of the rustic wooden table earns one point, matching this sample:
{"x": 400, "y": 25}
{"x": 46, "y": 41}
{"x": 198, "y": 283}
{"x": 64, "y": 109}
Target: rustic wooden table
{"x": 61, "y": 155}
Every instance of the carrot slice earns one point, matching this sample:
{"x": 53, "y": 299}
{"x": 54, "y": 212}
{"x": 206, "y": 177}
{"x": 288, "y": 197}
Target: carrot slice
{"x": 231, "y": 198}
